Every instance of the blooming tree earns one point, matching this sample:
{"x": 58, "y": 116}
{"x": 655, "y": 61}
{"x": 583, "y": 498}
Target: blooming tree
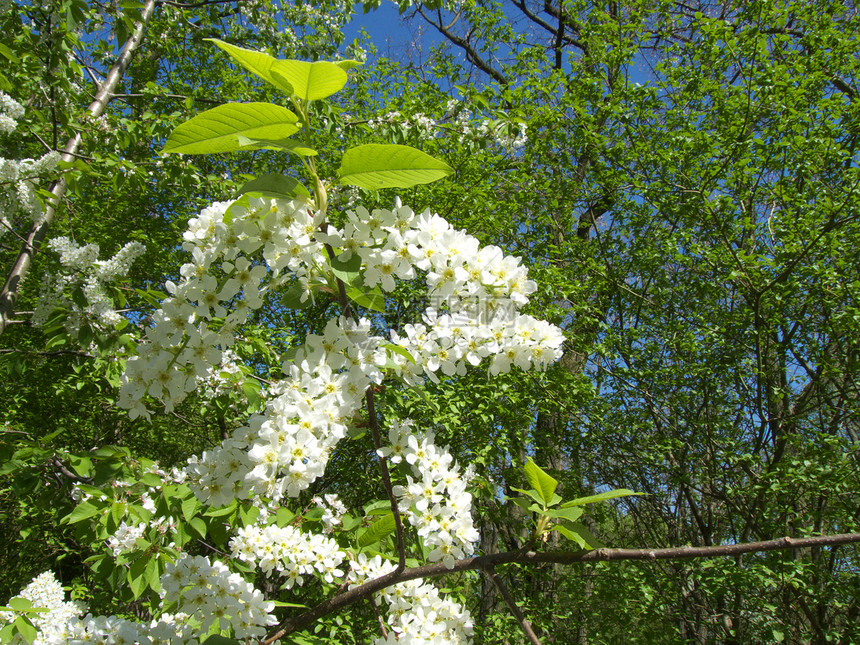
{"x": 279, "y": 239}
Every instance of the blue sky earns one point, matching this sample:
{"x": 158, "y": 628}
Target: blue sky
{"x": 392, "y": 36}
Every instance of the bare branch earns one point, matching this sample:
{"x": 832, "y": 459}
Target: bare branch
{"x": 472, "y": 54}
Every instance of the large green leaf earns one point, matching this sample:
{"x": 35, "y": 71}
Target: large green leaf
{"x": 375, "y": 165}
{"x": 540, "y": 481}
{"x": 217, "y": 130}
{"x": 82, "y": 511}
{"x": 255, "y": 62}
{"x": 310, "y": 81}
{"x": 275, "y": 185}
{"x": 347, "y": 270}
{"x": 373, "y": 299}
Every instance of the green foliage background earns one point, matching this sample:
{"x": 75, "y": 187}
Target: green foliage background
{"x": 688, "y": 203}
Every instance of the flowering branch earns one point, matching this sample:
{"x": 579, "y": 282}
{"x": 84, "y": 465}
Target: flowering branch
{"x": 9, "y": 292}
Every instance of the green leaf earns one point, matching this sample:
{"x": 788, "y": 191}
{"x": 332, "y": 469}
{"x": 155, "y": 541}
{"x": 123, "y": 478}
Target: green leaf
{"x": 150, "y": 479}
{"x": 136, "y": 576}
{"x": 19, "y": 604}
{"x": 281, "y": 603}
{"x": 348, "y": 64}
{"x": 600, "y": 497}
{"x": 373, "y": 300}
{"x": 8, "y": 632}
{"x": 522, "y": 502}
{"x": 189, "y": 507}
{"x": 248, "y": 514}
{"x": 580, "y": 534}
{"x": 82, "y": 511}
{"x": 82, "y": 466}
{"x": 397, "y": 349}
{"x": 535, "y": 495}
{"x": 118, "y": 511}
{"x": 292, "y": 298}
{"x": 290, "y": 145}
{"x": 377, "y": 531}
{"x": 570, "y": 514}
{"x": 540, "y": 481}
{"x": 26, "y": 629}
{"x": 379, "y": 507}
{"x": 255, "y": 62}
{"x": 152, "y": 575}
{"x": 221, "y": 512}
{"x": 310, "y": 81}
{"x": 374, "y": 166}
{"x": 5, "y": 51}
{"x": 571, "y": 535}
{"x": 217, "y": 639}
{"x": 198, "y": 525}
{"x": 217, "y": 130}
{"x": 347, "y": 270}
{"x": 274, "y": 185}
{"x": 284, "y": 516}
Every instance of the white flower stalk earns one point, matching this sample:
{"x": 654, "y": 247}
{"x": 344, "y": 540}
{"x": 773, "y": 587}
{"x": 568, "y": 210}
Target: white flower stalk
{"x": 81, "y": 269}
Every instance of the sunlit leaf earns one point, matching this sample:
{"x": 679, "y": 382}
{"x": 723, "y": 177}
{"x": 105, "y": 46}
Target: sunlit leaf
{"x": 255, "y": 62}
{"x": 374, "y": 166}
{"x": 310, "y": 81}
{"x": 217, "y": 130}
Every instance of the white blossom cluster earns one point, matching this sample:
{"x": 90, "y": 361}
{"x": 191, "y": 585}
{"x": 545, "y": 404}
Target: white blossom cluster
{"x": 289, "y": 552}
{"x": 282, "y": 451}
{"x": 17, "y": 182}
{"x": 333, "y": 510}
{"x": 221, "y": 378}
{"x": 209, "y": 592}
{"x": 63, "y": 623}
{"x": 242, "y": 251}
{"x": 10, "y": 112}
{"x": 167, "y": 629}
{"x": 508, "y": 135}
{"x": 126, "y": 536}
{"x": 417, "y": 613}
{"x": 52, "y": 626}
{"x": 81, "y": 269}
{"x": 434, "y": 499}
{"x": 18, "y": 176}
{"x": 225, "y": 271}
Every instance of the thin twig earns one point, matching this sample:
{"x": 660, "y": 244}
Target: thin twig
{"x": 382, "y": 628}
{"x": 526, "y": 626}
{"x": 386, "y": 481}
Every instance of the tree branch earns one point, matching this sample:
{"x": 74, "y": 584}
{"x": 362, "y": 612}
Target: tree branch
{"x": 523, "y": 556}
{"x": 471, "y": 53}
